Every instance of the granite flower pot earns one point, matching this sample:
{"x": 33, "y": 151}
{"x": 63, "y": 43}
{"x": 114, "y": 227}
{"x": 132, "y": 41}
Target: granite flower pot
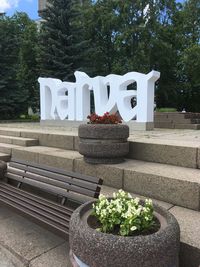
{"x": 103, "y": 143}
{"x": 91, "y": 248}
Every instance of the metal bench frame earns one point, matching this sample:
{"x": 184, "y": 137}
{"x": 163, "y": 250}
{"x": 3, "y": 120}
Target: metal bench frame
{"x": 69, "y": 190}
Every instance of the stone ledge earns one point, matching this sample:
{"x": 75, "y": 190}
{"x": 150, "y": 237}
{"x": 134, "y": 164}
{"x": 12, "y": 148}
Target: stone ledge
{"x": 164, "y": 151}
{"x": 189, "y": 222}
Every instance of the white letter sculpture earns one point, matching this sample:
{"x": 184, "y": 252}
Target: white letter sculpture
{"x": 65, "y": 100}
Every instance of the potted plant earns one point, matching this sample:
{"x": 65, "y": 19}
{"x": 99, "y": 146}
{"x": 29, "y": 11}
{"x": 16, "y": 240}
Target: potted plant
{"x": 103, "y": 139}
{"x": 124, "y": 232}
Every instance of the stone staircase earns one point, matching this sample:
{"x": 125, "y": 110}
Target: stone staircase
{"x": 177, "y": 120}
{"x": 10, "y": 142}
{"x": 164, "y": 169}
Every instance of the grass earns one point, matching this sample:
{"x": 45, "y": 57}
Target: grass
{"x": 166, "y": 110}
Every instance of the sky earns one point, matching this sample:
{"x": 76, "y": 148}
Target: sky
{"x": 28, "y": 6}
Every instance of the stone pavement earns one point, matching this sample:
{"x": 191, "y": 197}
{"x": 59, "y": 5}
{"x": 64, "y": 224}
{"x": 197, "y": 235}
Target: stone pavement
{"x": 172, "y": 135}
{"x": 25, "y": 244}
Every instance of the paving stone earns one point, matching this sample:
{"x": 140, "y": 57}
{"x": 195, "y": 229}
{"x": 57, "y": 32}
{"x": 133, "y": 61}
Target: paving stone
{"x": 108, "y": 191}
{"x": 25, "y": 154}
{"x": 30, "y": 134}
{"x": 18, "y": 140}
{"x": 173, "y": 184}
{"x": 7, "y": 148}
{"x": 10, "y": 132}
{"x": 25, "y": 238}
{"x": 5, "y": 213}
{"x": 7, "y": 259}
{"x": 189, "y": 222}
{"x": 198, "y": 158}
{"x": 76, "y": 142}
{"x": 57, "y": 140}
{"x": 112, "y": 176}
{"x": 4, "y": 157}
{"x": 186, "y": 126}
{"x": 60, "y": 158}
{"x": 32, "y": 153}
{"x": 52, "y": 139}
{"x": 165, "y": 151}
{"x": 57, "y": 257}
{"x": 168, "y": 125}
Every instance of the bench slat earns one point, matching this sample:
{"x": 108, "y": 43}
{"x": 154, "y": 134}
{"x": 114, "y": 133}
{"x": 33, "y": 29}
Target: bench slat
{"x": 40, "y": 200}
{"x": 35, "y": 216}
{"x": 55, "y": 176}
{"x": 48, "y": 188}
{"x": 50, "y": 181}
{"x": 61, "y": 171}
{"x": 37, "y": 180}
{"x": 27, "y": 201}
{"x": 64, "y": 223}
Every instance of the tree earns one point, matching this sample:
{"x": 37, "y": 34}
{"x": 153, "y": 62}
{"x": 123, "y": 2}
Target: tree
{"x": 27, "y": 74}
{"x": 17, "y": 66}
{"x": 8, "y": 58}
{"x": 61, "y": 40}
{"x": 188, "y": 67}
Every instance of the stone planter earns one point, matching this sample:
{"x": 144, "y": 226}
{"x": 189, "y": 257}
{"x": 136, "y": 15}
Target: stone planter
{"x": 103, "y": 143}
{"x": 95, "y": 249}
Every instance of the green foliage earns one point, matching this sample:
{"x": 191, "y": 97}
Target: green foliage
{"x": 17, "y": 66}
{"x": 33, "y": 118}
{"x": 102, "y": 37}
{"x": 63, "y": 46}
{"x": 166, "y": 110}
{"x": 128, "y": 36}
{"x": 27, "y": 74}
{"x": 123, "y": 214}
{"x": 8, "y": 58}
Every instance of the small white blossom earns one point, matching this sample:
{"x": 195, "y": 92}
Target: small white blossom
{"x": 133, "y": 228}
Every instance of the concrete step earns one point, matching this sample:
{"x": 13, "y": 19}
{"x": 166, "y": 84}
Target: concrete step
{"x": 45, "y": 137}
{"x": 159, "y": 149}
{"x": 174, "y": 152}
{"x": 177, "y": 120}
{"x": 10, "y": 132}
{"x": 7, "y": 148}
{"x": 189, "y": 221}
{"x": 20, "y": 141}
{"x": 50, "y": 156}
{"x": 174, "y": 125}
{"x": 177, "y": 185}
{"x": 4, "y": 157}
{"x": 187, "y": 126}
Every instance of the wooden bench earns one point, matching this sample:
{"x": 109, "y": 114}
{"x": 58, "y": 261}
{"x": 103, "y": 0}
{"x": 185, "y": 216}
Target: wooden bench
{"x": 46, "y": 195}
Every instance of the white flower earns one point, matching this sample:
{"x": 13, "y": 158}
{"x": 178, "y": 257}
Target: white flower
{"x": 133, "y": 228}
{"x": 136, "y": 201}
{"x": 148, "y": 202}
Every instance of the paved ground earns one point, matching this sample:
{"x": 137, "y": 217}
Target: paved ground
{"x": 172, "y": 135}
{"x": 25, "y": 244}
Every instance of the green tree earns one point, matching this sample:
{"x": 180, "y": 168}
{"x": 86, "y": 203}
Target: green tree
{"x": 18, "y": 85}
{"x": 8, "y": 58}
{"x": 188, "y": 66}
{"x": 27, "y": 74}
{"x": 62, "y": 41}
